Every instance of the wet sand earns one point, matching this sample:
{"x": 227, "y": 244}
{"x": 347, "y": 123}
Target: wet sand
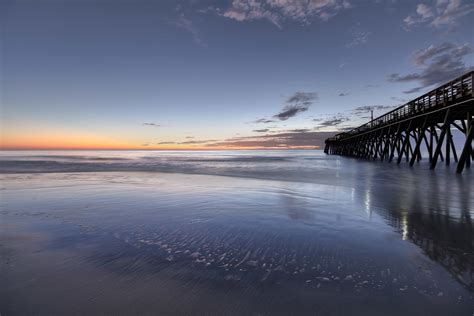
{"x": 132, "y": 243}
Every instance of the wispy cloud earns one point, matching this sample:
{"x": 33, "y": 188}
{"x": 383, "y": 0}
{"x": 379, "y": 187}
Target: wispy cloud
{"x": 151, "y": 124}
{"x": 361, "y": 110}
{"x": 437, "y": 64}
{"x": 195, "y": 142}
{"x": 401, "y": 100}
{"x": 304, "y": 138}
{"x": 263, "y": 120}
{"x": 343, "y": 94}
{"x": 187, "y": 24}
{"x": 297, "y": 103}
{"x": 263, "y": 130}
{"x": 298, "y": 130}
{"x": 334, "y": 121}
{"x": 345, "y": 120}
{"x": 290, "y": 111}
{"x": 166, "y": 143}
{"x": 371, "y": 86}
{"x": 277, "y": 11}
{"x": 302, "y": 98}
{"x": 359, "y": 37}
{"x": 439, "y": 13}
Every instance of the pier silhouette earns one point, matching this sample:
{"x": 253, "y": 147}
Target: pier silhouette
{"x": 426, "y": 122}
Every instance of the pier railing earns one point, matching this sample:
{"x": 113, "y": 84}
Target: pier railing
{"x": 443, "y": 96}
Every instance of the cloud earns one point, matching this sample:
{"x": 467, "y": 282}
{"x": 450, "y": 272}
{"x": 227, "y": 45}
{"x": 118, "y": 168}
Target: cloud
{"x": 290, "y": 111}
{"x": 343, "y": 94}
{"x": 399, "y": 99}
{"x": 338, "y": 121}
{"x": 297, "y": 103}
{"x": 306, "y": 138}
{"x": 277, "y": 11}
{"x": 440, "y": 13}
{"x": 346, "y": 129}
{"x": 193, "y": 142}
{"x": 344, "y": 121}
{"x": 263, "y": 130}
{"x": 189, "y": 137}
{"x": 437, "y": 64}
{"x": 263, "y": 120}
{"x": 367, "y": 108}
{"x": 151, "y": 124}
{"x": 371, "y": 86}
{"x": 302, "y": 98}
{"x": 146, "y": 144}
{"x": 299, "y": 130}
{"x": 334, "y": 121}
{"x": 166, "y": 143}
{"x": 187, "y": 24}
{"x": 359, "y": 37}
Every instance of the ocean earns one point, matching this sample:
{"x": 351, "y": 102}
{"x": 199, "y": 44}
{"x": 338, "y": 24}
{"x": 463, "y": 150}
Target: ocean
{"x": 232, "y": 233}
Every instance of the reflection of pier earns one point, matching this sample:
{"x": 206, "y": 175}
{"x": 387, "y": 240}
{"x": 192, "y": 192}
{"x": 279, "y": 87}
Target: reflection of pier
{"x": 423, "y": 123}
{"x": 443, "y": 240}
{"x": 434, "y": 213}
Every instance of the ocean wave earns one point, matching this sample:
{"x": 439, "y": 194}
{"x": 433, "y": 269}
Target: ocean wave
{"x": 266, "y": 166}
{"x": 65, "y": 157}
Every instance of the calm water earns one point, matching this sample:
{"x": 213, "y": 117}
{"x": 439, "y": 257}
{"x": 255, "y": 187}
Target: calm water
{"x": 251, "y": 233}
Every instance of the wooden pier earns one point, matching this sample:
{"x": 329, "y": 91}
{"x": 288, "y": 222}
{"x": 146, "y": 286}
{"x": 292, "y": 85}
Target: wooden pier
{"x": 426, "y": 122}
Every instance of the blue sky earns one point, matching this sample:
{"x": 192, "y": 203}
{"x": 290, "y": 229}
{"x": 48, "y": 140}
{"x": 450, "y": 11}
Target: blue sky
{"x": 211, "y": 74}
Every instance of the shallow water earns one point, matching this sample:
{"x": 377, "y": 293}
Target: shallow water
{"x": 289, "y": 232}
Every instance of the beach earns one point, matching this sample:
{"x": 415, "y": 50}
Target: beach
{"x": 228, "y": 232}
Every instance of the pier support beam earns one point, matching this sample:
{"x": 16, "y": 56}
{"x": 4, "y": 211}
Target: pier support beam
{"x": 467, "y": 149}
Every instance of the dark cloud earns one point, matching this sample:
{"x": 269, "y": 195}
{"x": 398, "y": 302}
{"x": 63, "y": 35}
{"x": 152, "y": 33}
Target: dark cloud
{"x": 367, "y": 108}
{"x": 299, "y": 130}
{"x": 339, "y": 121}
{"x": 346, "y": 129}
{"x": 294, "y": 130}
{"x": 343, "y": 94}
{"x": 166, "y": 143}
{"x": 193, "y": 142}
{"x": 189, "y": 142}
{"x": 333, "y": 121}
{"x": 437, "y": 63}
{"x": 290, "y": 111}
{"x": 263, "y": 130}
{"x": 399, "y": 99}
{"x": 297, "y": 103}
{"x": 151, "y": 124}
{"x": 263, "y": 120}
{"x": 279, "y": 140}
{"x": 302, "y": 98}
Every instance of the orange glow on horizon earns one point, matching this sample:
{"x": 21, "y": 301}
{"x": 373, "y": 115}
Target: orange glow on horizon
{"x": 95, "y": 146}
{"x": 48, "y": 141}
{"x": 138, "y": 147}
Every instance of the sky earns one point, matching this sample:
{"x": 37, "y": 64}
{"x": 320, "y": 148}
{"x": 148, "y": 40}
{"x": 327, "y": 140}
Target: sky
{"x": 205, "y": 74}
